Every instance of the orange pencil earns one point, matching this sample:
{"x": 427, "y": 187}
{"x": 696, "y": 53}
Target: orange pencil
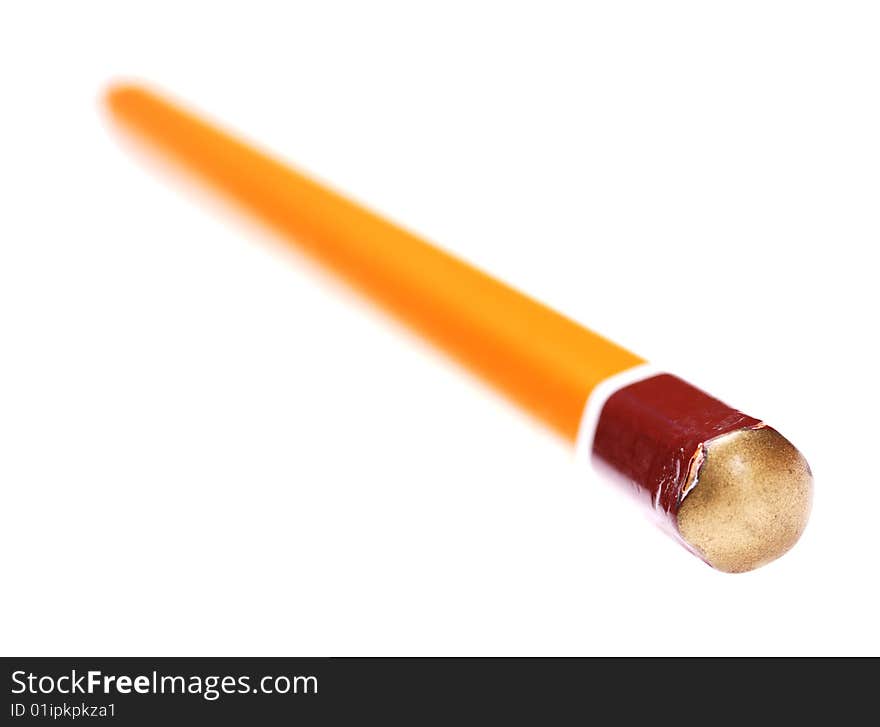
{"x": 735, "y": 490}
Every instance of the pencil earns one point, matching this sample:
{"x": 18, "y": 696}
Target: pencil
{"x": 736, "y": 492}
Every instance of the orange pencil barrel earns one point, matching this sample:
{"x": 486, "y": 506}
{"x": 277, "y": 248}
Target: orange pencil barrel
{"x": 539, "y": 358}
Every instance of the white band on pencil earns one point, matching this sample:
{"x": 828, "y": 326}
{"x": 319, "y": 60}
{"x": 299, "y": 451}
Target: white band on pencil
{"x": 596, "y": 401}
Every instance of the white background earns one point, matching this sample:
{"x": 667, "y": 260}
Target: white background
{"x": 207, "y": 446}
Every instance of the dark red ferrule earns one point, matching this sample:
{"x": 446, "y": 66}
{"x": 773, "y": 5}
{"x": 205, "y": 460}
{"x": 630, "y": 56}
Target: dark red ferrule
{"x": 653, "y": 430}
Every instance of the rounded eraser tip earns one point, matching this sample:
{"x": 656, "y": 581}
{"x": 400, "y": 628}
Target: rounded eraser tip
{"x": 751, "y": 500}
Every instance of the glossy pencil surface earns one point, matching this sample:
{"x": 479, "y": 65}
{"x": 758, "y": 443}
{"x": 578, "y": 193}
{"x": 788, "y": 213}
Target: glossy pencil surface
{"x": 539, "y": 358}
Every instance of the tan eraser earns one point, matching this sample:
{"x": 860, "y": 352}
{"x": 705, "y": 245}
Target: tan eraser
{"x": 751, "y": 501}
